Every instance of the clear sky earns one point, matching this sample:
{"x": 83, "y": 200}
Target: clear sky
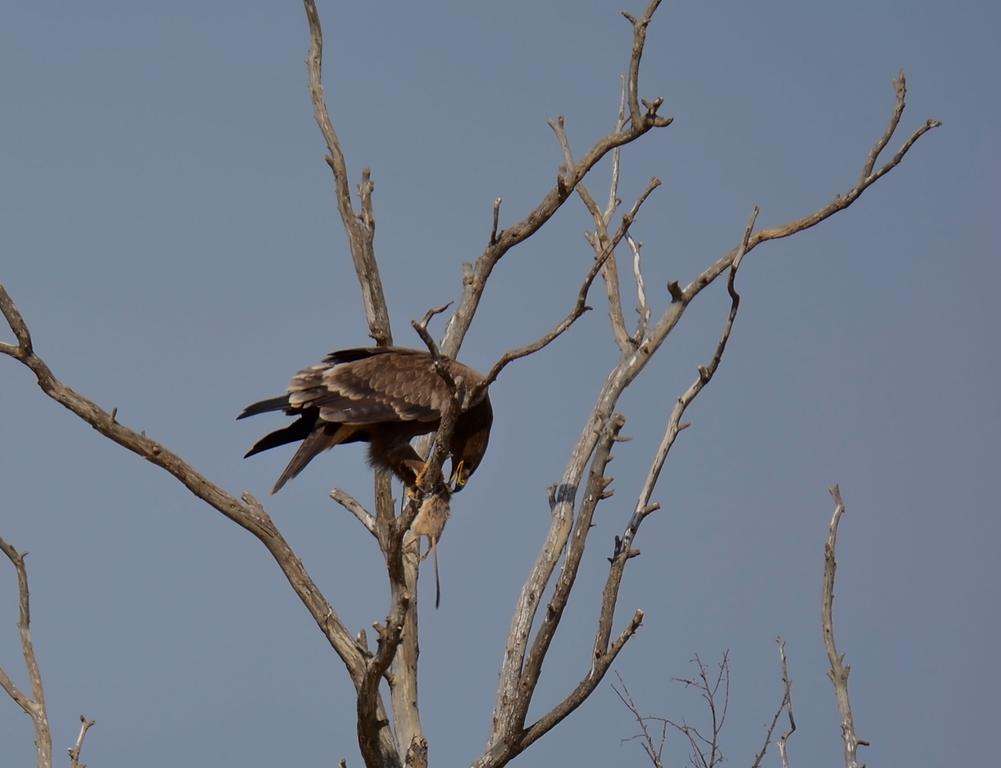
{"x": 169, "y": 232}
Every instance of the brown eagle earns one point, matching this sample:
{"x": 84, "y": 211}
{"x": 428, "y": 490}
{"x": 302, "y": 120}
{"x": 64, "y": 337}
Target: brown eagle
{"x": 384, "y": 396}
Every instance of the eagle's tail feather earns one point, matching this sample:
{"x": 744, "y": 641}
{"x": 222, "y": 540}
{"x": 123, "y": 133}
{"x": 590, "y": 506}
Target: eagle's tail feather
{"x": 316, "y": 442}
{"x": 263, "y": 406}
{"x": 297, "y": 430}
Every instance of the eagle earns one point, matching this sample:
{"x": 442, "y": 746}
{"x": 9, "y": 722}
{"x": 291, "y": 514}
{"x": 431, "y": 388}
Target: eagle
{"x": 383, "y": 396}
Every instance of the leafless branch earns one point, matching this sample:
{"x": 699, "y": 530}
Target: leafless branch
{"x": 246, "y": 512}
{"x": 23, "y": 348}
{"x": 599, "y": 239}
{"x": 515, "y": 738}
{"x": 839, "y": 203}
{"x": 900, "y": 88}
{"x": 496, "y": 221}
{"x": 654, "y": 749}
{"x": 578, "y": 695}
{"x": 613, "y": 186}
{"x": 580, "y": 305}
{"x": 783, "y": 741}
{"x": 360, "y": 227}
{"x": 636, "y": 117}
{"x": 422, "y": 330}
{"x": 474, "y": 282}
{"x": 642, "y": 307}
{"x": 714, "y": 689}
{"x": 784, "y": 706}
{"x": 75, "y": 751}
{"x": 674, "y": 424}
{"x": 34, "y": 706}
{"x": 355, "y": 507}
{"x": 598, "y": 489}
{"x": 838, "y": 673}
{"x": 705, "y": 749}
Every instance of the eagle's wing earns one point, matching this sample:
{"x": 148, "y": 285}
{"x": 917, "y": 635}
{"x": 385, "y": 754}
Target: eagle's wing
{"x": 386, "y": 386}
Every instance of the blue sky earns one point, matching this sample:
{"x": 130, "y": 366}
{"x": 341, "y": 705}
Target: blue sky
{"x": 170, "y": 234}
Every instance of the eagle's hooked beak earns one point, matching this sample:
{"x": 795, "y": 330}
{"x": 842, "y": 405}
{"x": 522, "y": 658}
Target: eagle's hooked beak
{"x": 459, "y": 477}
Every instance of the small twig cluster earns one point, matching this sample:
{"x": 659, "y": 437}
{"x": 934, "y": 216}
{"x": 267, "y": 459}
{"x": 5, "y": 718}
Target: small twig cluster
{"x": 705, "y": 748}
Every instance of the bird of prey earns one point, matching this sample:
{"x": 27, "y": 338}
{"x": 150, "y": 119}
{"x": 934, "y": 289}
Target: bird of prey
{"x": 384, "y": 396}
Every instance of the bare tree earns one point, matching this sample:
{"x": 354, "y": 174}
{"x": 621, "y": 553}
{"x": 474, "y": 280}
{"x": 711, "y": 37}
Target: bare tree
{"x": 392, "y": 735}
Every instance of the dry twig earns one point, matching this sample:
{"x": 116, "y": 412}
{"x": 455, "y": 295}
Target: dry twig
{"x": 654, "y": 749}
{"x": 783, "y": 741}
{"x": 705, "y": 748}
{"x": 784, "y": 706}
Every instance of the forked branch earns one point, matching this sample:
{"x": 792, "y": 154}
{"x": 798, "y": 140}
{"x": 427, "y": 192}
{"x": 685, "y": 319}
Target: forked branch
{"x": 654, "y": 748}
{"x": 34, "y": 705}
{"x": 566, "y": 182}
{"x": 76, "y": 750}
{"x": 602, "y": 258}
{"x": 785, "y": 705}
{"x": 360, "y": 226}
{"x": 867, "y": 178}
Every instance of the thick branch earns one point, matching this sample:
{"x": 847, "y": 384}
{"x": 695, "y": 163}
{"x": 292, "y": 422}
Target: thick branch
{"x": 35, "y": 706}
{"x": 514, "y": 744}
{"x": 597, "y": 490}
{"x": 398, "y": 639}
{"x": 838, "y": 673}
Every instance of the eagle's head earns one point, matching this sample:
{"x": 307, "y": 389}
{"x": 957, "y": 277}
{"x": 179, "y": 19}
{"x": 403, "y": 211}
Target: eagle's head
{"x": 469, "y": 442}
